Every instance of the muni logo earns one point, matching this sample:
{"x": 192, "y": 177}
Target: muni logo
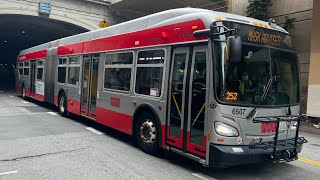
{"x": 115, "y": 102}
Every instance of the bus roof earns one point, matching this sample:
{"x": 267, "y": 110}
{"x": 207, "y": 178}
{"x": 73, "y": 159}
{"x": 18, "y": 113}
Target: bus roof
{"x": 151, "y": 21}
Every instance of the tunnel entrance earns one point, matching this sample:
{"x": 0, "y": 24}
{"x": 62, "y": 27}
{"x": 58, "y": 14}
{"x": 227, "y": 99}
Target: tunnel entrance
{"x": 20, "y": 32}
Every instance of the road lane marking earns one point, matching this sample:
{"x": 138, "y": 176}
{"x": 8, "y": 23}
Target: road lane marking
{"x": 22, "y": 114}
{"x": 203, "y": 176}
{"x": 10, "y": 172}
{"x": 306, "y": 160}
{"x": 94, "y": 130}
{"x": 53, "y": 113}
{"x": 11, "y": 96}
{"x": 25, "y": 102}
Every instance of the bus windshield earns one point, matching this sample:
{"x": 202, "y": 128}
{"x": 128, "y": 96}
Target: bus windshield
{"x": 244, "y": 83}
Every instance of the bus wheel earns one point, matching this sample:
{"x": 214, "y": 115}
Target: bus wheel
{"x": 23, "y": 92}
{"x": 62, "y": 104}
{"x": 147, "y": 134}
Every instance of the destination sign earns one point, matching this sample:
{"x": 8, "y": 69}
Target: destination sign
{"x": 44, "y": 8}
{"x": 259, "y": 35}
{"x": 264, "y": 38}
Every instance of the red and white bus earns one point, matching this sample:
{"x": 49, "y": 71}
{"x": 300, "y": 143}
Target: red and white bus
{"x": 218, "y": 88}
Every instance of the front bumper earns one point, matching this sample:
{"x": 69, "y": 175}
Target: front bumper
{"x": 226, "y": 156}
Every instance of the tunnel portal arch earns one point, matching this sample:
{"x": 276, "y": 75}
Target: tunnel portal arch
{"x": 19, "y": 32}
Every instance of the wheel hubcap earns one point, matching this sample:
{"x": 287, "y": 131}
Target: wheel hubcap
{"x": 62, "y": 104}
{"x": 148, "y": 132}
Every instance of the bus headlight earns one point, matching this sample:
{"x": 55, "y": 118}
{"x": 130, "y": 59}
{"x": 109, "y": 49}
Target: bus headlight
{"x": 225, "y": 130}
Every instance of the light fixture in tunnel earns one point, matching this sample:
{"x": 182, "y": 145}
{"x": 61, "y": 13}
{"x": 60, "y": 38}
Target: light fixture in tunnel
{"x": 5, "y": 41}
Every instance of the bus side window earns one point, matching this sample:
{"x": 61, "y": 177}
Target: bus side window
{"x": 150, "y": 72}
{"x": 40, "y": 68}
{"x": 117, "y": 74}
{"x": 26, "y": 68}
{"x": 74, "y": 70}
{"x": 62, "y": 70}
{"x": 21, "y": 69}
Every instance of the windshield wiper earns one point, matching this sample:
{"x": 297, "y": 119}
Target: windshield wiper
{"x": 264, "y": 95}
{"x": 285, "y": 92}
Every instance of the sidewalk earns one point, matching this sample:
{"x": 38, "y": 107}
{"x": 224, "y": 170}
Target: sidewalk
{"x": 308, "y": 127}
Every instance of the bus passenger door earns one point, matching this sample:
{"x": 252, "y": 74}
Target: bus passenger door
{"x": 177, "y": 89}
{"x": 197, "y": 84}
{"x": 32, "y": 77}
{"x": 187, "y": 100}
{"x": 89, "y": 85}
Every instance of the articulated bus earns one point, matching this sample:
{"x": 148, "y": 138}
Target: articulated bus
{"x": 218, "y": 88}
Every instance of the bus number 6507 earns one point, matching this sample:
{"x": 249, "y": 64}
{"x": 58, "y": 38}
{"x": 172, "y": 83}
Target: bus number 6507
{"x": 238, "y": 111}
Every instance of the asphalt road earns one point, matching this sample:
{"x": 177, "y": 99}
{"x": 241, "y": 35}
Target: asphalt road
{"x": 37, "y": 143}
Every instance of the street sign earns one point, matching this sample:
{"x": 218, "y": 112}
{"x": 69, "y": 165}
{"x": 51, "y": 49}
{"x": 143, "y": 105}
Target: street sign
{"x": 103, "y": 24}
{"x": 44, "y": 8}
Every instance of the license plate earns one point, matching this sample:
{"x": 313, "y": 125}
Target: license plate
{"x": 271, "y": 127}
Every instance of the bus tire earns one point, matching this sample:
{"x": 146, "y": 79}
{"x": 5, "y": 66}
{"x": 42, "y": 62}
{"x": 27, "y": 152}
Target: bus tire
{"x": 23, "y": 93}
{"x": 62, "y": 105}
{"x": 147, "y": 134}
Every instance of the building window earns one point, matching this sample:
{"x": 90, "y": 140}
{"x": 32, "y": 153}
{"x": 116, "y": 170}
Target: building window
{"x": 26, "y": 68}
{"x": 62, "y": 70}
{"x": 20, "y": 69}
{"x": 117, "y": 75}
{"x": 40, "y": 68}
{"x": 150, "y": 72}
{"x": 74, "y": 70}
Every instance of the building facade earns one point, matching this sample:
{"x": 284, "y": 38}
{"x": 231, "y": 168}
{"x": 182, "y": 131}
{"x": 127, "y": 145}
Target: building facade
{"x": 313, "y": 108}
{"x": 302, "y": 11}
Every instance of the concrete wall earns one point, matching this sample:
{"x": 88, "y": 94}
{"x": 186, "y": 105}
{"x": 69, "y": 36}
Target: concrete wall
{"x": 83, "y": 13}
{"x": 302, "y": 11}
{"x": 238, "y": 7}
{"x": 314, "y": 75}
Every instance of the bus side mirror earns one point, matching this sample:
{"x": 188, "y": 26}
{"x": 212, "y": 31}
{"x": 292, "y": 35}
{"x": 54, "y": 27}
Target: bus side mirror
{"x": 234, "y": 49}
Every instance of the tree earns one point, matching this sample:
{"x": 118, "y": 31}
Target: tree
{"x": 258, "y": 9}
{"x": 289, "y": 23}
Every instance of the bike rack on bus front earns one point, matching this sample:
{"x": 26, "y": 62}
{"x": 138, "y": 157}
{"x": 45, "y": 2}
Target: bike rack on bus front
{"x": 281, "y": 152}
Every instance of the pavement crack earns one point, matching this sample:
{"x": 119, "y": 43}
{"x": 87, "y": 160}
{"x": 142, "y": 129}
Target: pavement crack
{"x": 42, "y": 155}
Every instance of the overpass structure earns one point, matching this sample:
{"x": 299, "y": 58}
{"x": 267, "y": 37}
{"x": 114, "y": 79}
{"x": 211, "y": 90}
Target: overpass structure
{"x": 27, "y": 23}
{"x": 83, "y": 13}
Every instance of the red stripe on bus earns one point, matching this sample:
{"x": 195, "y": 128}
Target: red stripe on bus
{"x": 175, "y": 33}
{"x": 38, "y": 97}
{"x": 71, "y": 49}
{"x": 18, "y": 89}
{"x": 55, "y": 100}
{"x": 163, "y": 136}
{"x": 73, "y": 106}
{"x": 35, "y": 55}
{"x": 28, "y": 92}
{"x": 116, "y": 120}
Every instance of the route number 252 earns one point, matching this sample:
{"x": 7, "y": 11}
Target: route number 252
{"x": 232, "y": 96}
